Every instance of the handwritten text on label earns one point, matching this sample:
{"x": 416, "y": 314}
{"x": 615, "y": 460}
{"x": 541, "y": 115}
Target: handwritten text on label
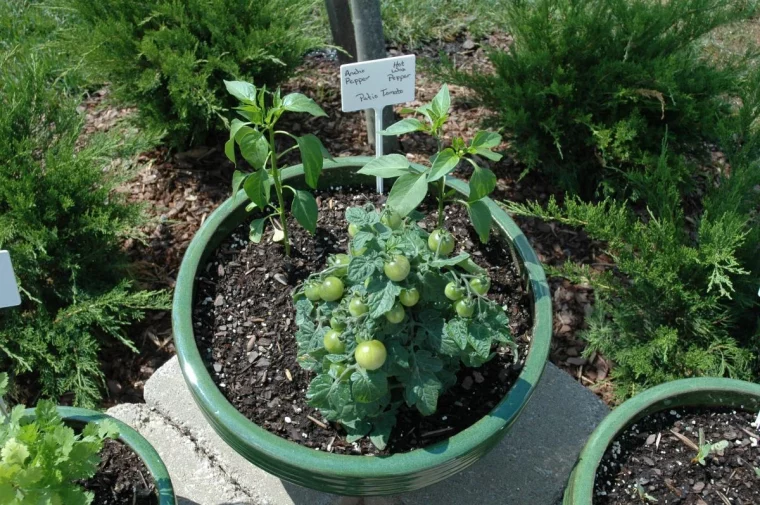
{"x": 377, "y": 83}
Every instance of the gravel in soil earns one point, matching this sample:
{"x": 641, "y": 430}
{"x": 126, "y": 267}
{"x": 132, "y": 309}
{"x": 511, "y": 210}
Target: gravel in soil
{"x": 122, "y": 478}
{"x": 245, "y": 325}
{"x": 651, "y": 464}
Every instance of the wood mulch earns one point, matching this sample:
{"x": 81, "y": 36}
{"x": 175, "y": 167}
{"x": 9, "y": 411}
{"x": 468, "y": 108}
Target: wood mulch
{"x": 181, "y": 189}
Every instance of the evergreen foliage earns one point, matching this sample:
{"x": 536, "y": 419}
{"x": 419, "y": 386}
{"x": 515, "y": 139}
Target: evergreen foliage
{"x": 589, "y": 87}
{"x": 64, "y": 226}
{"x": 169, "y": 58}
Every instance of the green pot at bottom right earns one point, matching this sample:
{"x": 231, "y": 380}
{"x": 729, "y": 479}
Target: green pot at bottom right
{"x": 701, "y": 392}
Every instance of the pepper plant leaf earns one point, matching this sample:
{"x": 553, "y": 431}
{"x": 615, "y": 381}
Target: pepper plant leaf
{"x": 311, "y": 157}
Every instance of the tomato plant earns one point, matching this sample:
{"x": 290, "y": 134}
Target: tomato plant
{"x": 255, "y": 138}
{"x": 441, "y": 242}
{"x": 395, "y": 333}
{"x": 411, "y": 184}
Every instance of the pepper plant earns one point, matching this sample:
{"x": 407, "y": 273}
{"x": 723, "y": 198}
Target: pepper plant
{"x": 391, "y": 322}
{"x": 41, "y": 459}
{"x": 411, "y": 187}
{"x": 255, "y": 138}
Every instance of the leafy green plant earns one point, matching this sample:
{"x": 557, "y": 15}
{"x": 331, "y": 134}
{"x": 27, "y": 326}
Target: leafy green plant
{"x": 411, "y": 187}
{"x": 391, "y": 323}
{"x": 167, "y": 57}
{"x": 757, "y": 472}
{"x": 643, "y": 495}
{"x": 705, "y": 448}
{"x": 41, "y": 459}
{"x": 64, "y": 224}
{"x": 256, "y": 139}
{"x": 681, "y": 301}
{"x": 588, "y": 89}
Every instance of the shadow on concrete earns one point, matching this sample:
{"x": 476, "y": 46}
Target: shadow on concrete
{"x": 530, "y": 465}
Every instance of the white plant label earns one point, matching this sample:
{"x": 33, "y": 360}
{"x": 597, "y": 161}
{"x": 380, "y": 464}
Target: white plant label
{"x": 376, "y": 83}
{"x": 9, "y": 296}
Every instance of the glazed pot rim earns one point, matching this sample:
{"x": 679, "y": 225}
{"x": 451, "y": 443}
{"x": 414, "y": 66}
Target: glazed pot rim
{"x": 226, "y": 416}
{"x": 132, "y": 439}
{"x": 693, "y": 392}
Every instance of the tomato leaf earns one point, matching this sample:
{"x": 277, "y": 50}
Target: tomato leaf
{"x": 381, "y": 430}
{"x": 368, "y": 386}
{"x": 304, "y": 209}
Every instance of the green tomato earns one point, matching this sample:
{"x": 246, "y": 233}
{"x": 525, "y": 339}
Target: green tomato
{"x": 352, "y": 229}
{"x": 331, "y": 289}
{"x": 370, "y": 355}
{"x": 441, "y": 241}
{"x": 311, "y": 290}
{"x": 337, "y": 324}
{"x": 337, "y": 370}
{"x": 341, "y": 261}
{"x": 465, "y": 307}
{"x": 453, "y": 291}
{"x": 409, "y": 297}
{"x": 397, "y": 269}
{"x": 356, "y": 307}
{"x": 480, "y": 285}
{"x": 396, "y": 314}
{"x": 391, "y": 220}
{"x": 333, "y": 343}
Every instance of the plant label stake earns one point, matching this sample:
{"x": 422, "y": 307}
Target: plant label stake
{"x": 375, "y": 84}
{"x": 9, "y": 296}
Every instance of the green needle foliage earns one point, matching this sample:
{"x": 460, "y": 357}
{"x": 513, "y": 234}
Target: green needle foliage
{"x": 41, "y": 458}
{"x": 167, "y": 57}
{"x": 411, "y": 187}
{"x": 589, "y": 87}
{"x": 392, "y": 323}
{"x": 64, "y": 225}
{"x": 255, "y": 137}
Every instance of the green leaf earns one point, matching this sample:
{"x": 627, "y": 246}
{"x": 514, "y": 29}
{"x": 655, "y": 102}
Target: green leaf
{"x": 304, "y": 209}
{"x": 449, "y": 262}
{"x": 253, "y": 146}
{"x": 482, "y": 183}
{"x": 444, "y": 163}
{"x": 480, "y": 215}
{"x": 257, "y": 230}
{"x": 382, "y": 296}
{"x": 296, "y": 102}
{"x": 3, "y": 383}
{"x": 404, "y": 126}
{"x": 318, "y": 391}
{"x": 243, "y": 91}
{"x": 488, "y": 154}
{"x": 391, "y": 165}
{"x": 229, "y": 146}
{"x": 238, "y": 178}
{"x": 362, "y": 239}
{"x": 360, "y": 216}
{"x": 356, "y": 429}
{"x": 442, "y": 102}
{"x": 457, "y": 330}
{"x": 14, "y": 453}
{"x": 480, "y": 339}
{"x": 362, "y": 267}
{"x": 407, "y": 193}
{"x": 368, "y": 386}
{"x": 311, "y": 157}
{"x": 257, "y": 188}
{"x": 485, "y": 139}
{"x": 381, "y": 430}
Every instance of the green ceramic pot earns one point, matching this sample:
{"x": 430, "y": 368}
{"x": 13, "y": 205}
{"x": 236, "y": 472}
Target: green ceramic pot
{"x": 341, "y": 474}
{"x": 702, "y": 392}
{"x": 78, "y": 417}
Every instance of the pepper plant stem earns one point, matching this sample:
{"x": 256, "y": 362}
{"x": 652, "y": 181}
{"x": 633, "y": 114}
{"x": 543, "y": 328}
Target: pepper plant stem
{"x": 278, "y": 190}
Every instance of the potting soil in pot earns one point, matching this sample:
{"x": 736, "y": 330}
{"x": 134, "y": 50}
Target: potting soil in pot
{"x": 122, "y": 478}
{"x": 244, "y": 322}
{"x": 650, "y": 464}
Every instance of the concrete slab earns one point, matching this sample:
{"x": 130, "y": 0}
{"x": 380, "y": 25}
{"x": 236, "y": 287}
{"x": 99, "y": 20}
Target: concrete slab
{"x": 530, "y": 466}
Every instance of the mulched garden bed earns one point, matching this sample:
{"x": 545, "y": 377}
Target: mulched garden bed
{"x": 122, "y": 478}
{"x": 245, "y": 325}
{"x": 649, "y": 454}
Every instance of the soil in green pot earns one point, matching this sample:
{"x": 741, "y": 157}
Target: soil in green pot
{"x": 122, "y": 478}
{"x": 654, "y": 461}
{"x": 245, "y": 329}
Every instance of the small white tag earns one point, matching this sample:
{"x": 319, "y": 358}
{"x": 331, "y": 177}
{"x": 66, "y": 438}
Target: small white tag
{"x": 377, "y": 83}
{"x": 9, "y": 296}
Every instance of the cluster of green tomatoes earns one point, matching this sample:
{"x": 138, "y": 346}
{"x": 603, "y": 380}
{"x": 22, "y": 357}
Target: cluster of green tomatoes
{"x": 371, "y": 354}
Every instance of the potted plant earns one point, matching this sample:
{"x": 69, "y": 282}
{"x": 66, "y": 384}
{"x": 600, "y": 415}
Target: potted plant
{"x": 252, "y": 321}
{"x": 686, "y": 441}
{"x": 76, "y": 456}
